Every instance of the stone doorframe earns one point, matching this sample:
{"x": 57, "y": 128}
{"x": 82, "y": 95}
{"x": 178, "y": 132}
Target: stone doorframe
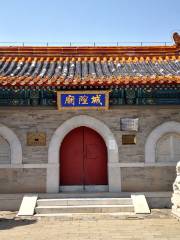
{"x": 14, "y": 143}
{"x": 114, "y": 177}
{"x": 155, "y": 135}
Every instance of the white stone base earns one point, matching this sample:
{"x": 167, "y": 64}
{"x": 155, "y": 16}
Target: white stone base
{"x": 176, "y": 212}
{"x": 176, "y": 204}
{"x": 84, "y": 188}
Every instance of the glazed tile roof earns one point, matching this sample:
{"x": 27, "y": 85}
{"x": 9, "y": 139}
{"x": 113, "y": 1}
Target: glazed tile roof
{"x": 89, "y": 66}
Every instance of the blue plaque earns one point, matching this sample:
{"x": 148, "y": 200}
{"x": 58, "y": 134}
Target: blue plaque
{"x": 83, "y": 100}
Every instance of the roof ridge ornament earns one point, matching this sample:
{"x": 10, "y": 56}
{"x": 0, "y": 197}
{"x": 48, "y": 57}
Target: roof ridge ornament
{"x": 176, "y": 38}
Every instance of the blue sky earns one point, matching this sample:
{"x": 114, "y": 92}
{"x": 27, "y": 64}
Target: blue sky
{"x": 88, "y": 20}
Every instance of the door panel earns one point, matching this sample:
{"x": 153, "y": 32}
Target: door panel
{"x": 83, "y": 157}
{"x": 71, "y": 155}
{"x": 90, "y": 150}
{"x": 95, "y": 158}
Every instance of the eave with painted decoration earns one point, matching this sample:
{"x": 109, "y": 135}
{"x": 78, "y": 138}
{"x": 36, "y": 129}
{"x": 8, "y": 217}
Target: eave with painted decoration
{"x": 132, "y": 73}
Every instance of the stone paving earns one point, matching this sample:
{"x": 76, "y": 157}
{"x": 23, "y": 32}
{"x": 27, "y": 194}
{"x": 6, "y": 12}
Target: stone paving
{"x": 160, "y": 224}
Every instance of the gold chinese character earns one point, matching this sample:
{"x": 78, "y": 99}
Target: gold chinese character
{"x": 96, "y": 99}
{"x": 70, "y": 100}
{"x": 83, "y": 99}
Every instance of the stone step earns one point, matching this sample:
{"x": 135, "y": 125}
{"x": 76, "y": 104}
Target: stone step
{"x": 90, "y": 216}
{"x": 84, "y": 209}
{"x": 85, "y": 195}
{"x": 84, "y": 201}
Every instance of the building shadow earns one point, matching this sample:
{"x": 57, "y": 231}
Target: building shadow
{"x": 6, "y": 224}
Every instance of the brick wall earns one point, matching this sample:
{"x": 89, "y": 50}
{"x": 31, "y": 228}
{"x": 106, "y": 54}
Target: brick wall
{"x": 23, "y": 120}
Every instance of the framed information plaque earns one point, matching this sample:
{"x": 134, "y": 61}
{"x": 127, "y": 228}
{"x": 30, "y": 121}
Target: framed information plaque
{"x": 128, "y": 139}
{"x": 129, "y": 124}
{"x": 36, "y": 139}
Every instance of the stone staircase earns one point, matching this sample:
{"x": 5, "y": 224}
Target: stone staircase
{"x": 47, "y": 207}
{"x": 68, "y": 204}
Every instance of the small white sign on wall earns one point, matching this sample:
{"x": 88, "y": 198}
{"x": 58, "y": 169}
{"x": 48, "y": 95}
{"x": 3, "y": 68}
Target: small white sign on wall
{"x": 112, "y": 144}
{"x": 129, "y": 124}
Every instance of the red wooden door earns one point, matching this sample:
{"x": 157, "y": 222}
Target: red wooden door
{"x": 83, "y": 158}
{"x": 95, "y": 158}
{"x": 71, "y": 158}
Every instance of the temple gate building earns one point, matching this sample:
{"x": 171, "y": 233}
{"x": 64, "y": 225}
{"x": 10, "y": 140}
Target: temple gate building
{"x": 89, "y": 119}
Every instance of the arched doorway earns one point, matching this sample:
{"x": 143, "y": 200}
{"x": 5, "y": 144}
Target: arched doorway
{"x": 83, "y": 161}
{"x": 53, "y": 173}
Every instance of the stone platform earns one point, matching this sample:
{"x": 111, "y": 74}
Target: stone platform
{"x": 12, "y": 202}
